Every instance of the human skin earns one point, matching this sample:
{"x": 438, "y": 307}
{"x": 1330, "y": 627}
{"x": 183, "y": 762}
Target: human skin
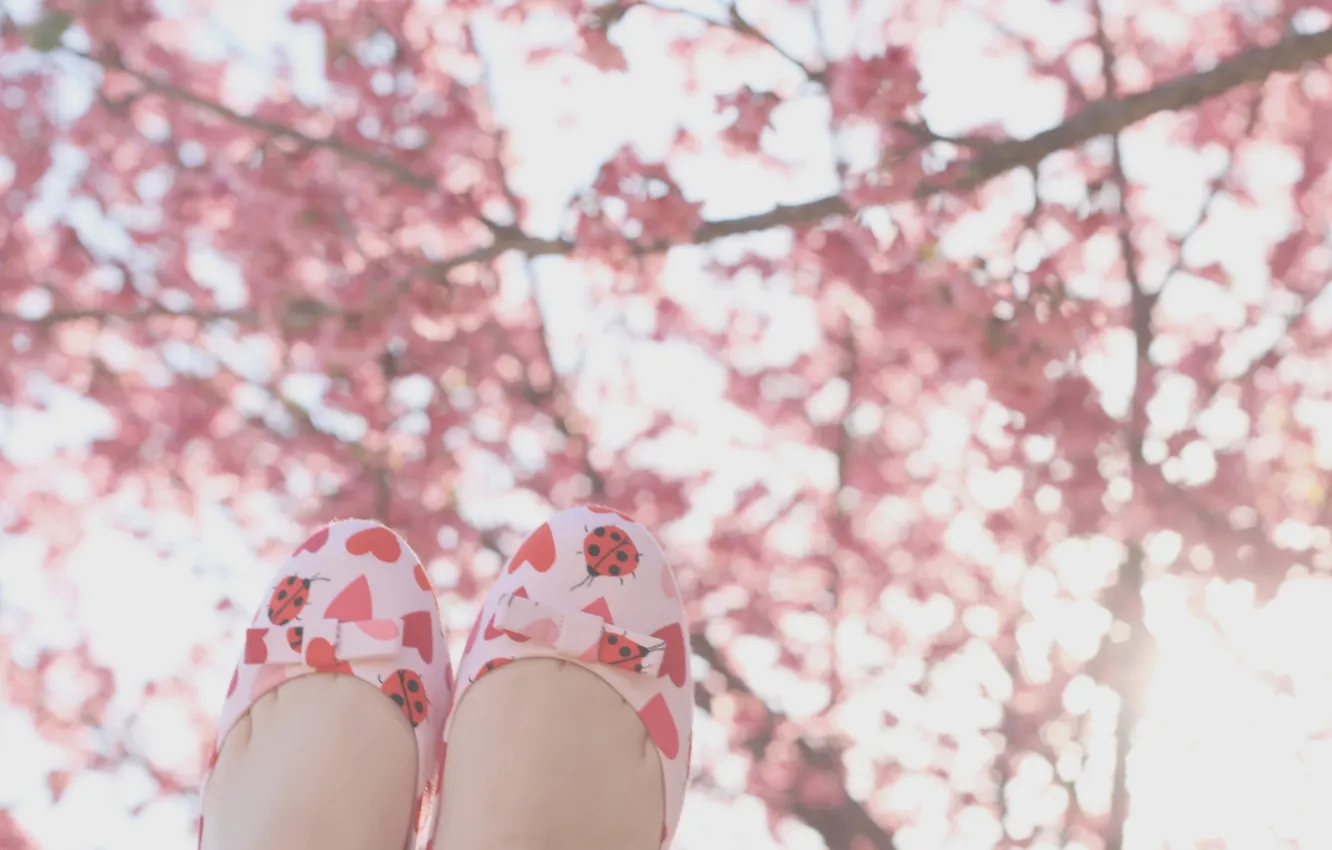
{"x": 542, "y": 755}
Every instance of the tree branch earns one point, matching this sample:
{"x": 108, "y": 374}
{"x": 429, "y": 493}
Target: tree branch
{"x": 154, "y": 84}
{"x": 1106, "y": 116}
{"x": 102, "y": 317}
{"x": 994, "y": 159}
{"x": 741, "y": 27}
{"x": 1112, "y": 114}
{"x": 843, "y": 825}
{"x": 1125, "y": 601}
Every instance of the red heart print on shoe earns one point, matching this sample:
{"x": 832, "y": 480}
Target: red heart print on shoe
{"x": 538, "y": 551}
{"x": 353, "y": 603}
{"x": 377, "y": 541}
{"x": 418, "y": 632}
{"x": 314, "y": 542}
{"x": 676, "y": 660}
{"x": 661, "y": 726}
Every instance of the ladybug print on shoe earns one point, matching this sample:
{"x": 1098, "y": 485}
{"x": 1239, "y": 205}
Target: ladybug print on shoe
{"x": 354, "y": 600}
{"x": 624, "y": 651}
{"x": 404, "y": 688}
{"x": 492, "y": 664}
{"x": 289, "y": 598}
{"x": 556, "y": 599}
{"x": 608, "y": 552}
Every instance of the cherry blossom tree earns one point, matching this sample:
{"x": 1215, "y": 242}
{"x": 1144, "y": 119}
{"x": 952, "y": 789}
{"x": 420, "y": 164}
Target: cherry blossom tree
{"x": 917, "y": 328}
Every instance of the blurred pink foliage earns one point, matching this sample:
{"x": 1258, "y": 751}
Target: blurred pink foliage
{"x": 380, "y": 239}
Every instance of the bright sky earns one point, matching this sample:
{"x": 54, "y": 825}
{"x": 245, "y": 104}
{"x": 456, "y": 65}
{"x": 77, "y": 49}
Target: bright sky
{"x": 1220, "y": 754}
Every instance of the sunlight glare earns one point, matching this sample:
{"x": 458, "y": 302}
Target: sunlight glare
{"x": 1223, "y": 751}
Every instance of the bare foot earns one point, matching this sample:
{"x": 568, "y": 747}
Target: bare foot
{"x": 572, "y": 720}
{"x": 544, "y": 755}
{"x": 320, "y": 763}
{"x": 331, "y": 730}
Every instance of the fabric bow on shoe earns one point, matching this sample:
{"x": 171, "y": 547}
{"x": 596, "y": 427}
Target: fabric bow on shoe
{"x": 580, "y": 635}
{"x": 323, "y": 642}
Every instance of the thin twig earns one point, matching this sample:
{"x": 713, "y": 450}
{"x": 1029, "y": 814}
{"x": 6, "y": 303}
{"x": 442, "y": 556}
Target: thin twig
{"x": 155, "y": 84}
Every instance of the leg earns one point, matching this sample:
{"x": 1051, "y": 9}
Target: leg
{"x": 581, "y": 739}
{"x": 346, "y": 759}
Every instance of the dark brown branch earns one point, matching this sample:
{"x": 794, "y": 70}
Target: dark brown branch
{"x": 296, "y": 315}
{"x": 62, "y": 317}
{"x": 1125, "y": 602}
{"x": 1112, "y": 114}
{"x": 1125, "y": 668}
{"x": 843, "y": 825}
{"x": 1106, "y": 116}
